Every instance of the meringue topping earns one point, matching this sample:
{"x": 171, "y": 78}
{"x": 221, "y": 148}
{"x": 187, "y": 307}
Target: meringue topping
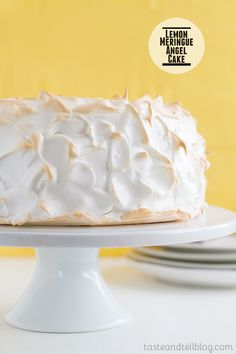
{"x": 79, "y": 161}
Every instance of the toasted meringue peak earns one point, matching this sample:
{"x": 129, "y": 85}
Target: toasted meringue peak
{"x": 93, "y": 161}
{"x": 142, "y": 155}
{"x": 126, "y": 94}
{"x": 49, "y": 172}
{"x": 54, "y": 102}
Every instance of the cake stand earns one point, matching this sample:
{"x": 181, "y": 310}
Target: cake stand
{"x": 67, "y": 292}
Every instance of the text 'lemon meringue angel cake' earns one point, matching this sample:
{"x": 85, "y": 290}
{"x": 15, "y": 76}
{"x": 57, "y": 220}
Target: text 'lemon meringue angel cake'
{"x": 85, "y": 161}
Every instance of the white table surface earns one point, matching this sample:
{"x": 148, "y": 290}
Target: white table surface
{"x": 161, "y": 314}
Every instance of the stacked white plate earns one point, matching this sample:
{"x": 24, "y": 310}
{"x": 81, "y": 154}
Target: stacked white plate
{"x": 207, "y": 263}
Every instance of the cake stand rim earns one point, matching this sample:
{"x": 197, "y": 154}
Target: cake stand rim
{"x": 198, "y": 229}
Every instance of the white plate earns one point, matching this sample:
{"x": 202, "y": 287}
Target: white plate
{"x": 183, "y": 264}
{"x": 225, "y": 244}
{"x": 194, "y": 253}
{"x": 188, "y": 276}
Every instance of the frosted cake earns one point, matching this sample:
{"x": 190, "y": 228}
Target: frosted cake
{"x": 95, "y": 161}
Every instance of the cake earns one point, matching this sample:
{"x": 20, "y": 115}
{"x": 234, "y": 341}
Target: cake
{"x": 95, "y": 161}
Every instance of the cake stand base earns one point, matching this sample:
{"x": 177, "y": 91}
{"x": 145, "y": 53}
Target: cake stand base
{"x": 66, "y": 294}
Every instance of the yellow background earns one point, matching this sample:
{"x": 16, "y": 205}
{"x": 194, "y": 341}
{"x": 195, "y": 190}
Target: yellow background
{"x": 99, "y": 47}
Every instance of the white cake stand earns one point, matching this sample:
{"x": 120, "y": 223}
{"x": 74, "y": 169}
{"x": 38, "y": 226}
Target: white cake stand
{"x": 67, "y": 292}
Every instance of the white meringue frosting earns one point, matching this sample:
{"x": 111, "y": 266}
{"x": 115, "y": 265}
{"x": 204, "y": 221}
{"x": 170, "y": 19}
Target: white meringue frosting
{"x": 71, "y": 160}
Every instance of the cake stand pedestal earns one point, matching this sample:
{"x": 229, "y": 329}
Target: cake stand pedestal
{"x": 67, "y": 292}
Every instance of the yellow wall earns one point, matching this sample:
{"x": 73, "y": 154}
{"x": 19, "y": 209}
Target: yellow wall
{"x": 99, "y": 47}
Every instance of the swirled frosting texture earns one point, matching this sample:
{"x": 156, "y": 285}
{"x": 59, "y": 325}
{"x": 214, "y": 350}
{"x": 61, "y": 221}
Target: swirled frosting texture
{"x": 97, "y": 161}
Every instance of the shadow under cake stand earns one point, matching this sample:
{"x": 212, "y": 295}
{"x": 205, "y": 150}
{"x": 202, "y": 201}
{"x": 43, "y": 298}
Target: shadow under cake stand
{"x": 67, "y": 292}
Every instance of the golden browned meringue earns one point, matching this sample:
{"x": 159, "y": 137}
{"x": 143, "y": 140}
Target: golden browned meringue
{"x": 87, "y": 161}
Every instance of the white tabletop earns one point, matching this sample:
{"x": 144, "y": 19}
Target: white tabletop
{"x": 161, "y": 314}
